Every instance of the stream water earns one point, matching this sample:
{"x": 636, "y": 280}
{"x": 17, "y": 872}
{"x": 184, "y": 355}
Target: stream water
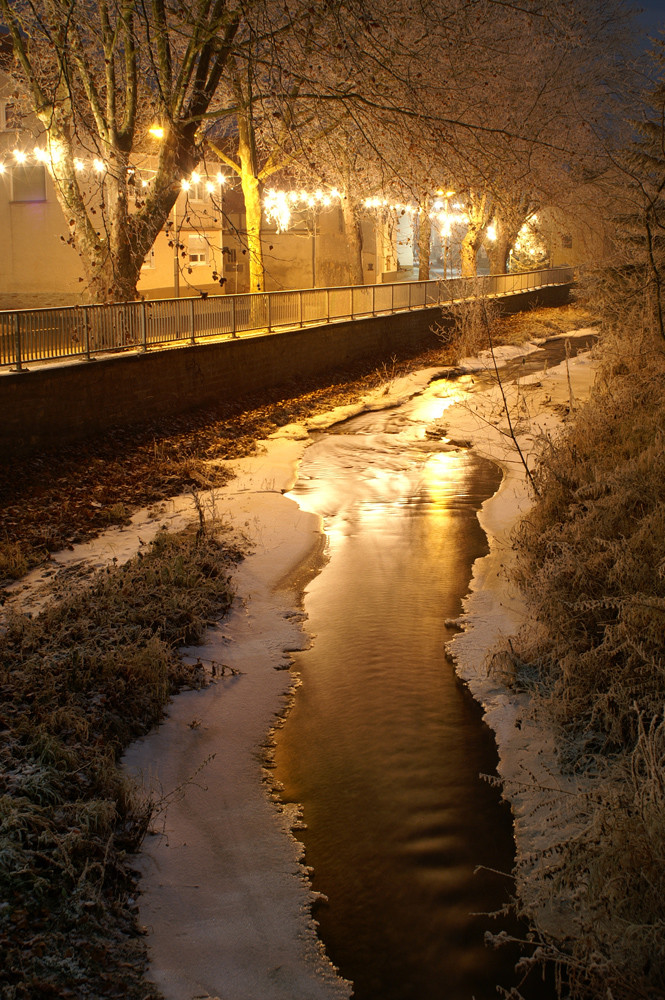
{"x": 383, "y": 746}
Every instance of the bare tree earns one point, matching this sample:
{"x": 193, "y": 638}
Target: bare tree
{"x": 98, "y": 76}
{"x": 428, "y": 87}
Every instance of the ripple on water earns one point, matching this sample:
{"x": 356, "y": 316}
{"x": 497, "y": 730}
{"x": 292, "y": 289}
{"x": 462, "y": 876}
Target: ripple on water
{"x": 383, "y": 746}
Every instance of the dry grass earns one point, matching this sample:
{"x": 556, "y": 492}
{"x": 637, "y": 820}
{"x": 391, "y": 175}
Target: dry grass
{"x": 79, "y": 682}
{"x": 464, "y": 335}
{"x": 592, "y": 564}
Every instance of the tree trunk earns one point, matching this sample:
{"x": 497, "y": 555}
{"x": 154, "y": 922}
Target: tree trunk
{"x": 498, "y": 253}
{"x": 354, "y": 239}
{"x": 479, "y": 212}
{"x": 469, "y": 252}
{"x": 424, "y": 241}
{"x": 251, "y": 190}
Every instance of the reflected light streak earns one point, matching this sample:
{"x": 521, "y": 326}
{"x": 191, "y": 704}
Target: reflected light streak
{"x": 427, "y": 407}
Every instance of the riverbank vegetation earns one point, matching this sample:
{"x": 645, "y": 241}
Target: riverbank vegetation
{"x": 93, "y": 671}
{"x": 591, "y": 562}
{"x": 592, "y": 565}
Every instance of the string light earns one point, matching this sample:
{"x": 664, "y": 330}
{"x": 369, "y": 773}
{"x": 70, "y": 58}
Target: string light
{"x": 394, "y": 207}
{"x": 97, "y": 165}
{"x": 279, "y": 205}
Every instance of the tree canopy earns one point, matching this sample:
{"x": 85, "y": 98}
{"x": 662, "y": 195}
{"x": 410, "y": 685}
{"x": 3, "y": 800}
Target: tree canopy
{"x": 482, "y": 95}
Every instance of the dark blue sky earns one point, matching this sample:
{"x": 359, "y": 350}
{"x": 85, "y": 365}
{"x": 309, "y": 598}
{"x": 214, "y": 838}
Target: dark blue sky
{"x": 654, "y": 14}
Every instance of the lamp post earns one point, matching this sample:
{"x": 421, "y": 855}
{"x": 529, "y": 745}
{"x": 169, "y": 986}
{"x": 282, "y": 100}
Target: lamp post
{"x": 176, "y": 262}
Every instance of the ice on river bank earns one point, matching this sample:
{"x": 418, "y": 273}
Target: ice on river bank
{"x": 225, "y": 895}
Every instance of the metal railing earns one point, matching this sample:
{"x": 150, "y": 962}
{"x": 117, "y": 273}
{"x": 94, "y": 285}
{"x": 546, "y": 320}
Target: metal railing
{"x": 64, "y": 333}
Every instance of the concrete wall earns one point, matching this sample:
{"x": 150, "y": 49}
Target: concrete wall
{"x": 53, "y": 405}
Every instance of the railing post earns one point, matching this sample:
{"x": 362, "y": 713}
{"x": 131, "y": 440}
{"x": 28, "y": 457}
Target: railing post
{"x": 233, "y": 316}
{"x": 327, "y": 305}
{"x": 17, "y": 345}
{"x": 192, "y": 331}
{"x": 86, "y": 333}
{"x": 373, "y": 300}
{"x": 269, "y": 298}
{"x": 144, "y": 330}
{"x": 301, "y": 307}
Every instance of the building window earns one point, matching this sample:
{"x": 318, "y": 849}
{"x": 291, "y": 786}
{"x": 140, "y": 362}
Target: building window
{"x": 29, "y": 182}
{"x": 231, "y": 255}
{"x": 195, "y": 191}
{"x": 197, "y": 251}
{"x": 566, "y": 241}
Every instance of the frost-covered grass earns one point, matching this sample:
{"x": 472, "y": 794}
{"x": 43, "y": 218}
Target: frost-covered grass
{"x": 592, "y": 564}
{"x": 464, "y": 333}
{"x": 91, "y": 672}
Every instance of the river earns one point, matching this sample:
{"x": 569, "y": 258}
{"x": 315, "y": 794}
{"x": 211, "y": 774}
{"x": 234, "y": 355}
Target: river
{"x": 383, "y": 747}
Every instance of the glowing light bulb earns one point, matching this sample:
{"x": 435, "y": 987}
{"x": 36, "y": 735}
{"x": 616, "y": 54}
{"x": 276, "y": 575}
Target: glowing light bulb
{"x": 157, "y": 131}
{"x": 184, "y": 184}
{"x": 195, "y": 178}
{"x": 79, "y": 165}
{"x": 99, "y": 166}
{"x": 20, "y": 156}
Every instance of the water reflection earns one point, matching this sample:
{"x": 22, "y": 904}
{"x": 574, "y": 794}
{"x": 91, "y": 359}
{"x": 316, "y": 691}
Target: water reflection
{"x": 383, "y": 746}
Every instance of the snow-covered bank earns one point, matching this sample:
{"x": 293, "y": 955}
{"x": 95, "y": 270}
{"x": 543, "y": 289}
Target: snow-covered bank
{"x": 225, "y": 896}
{"x": 494, "y": 610}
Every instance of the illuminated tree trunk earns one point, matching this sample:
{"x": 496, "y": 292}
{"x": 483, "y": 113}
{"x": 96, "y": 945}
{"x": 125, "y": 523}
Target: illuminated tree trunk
{"x": 111, "y": 248}
{"x": 251, "y": 190}
{"x": 479, "y": 211}
{"x": 353, "y": 231}
{"x": 499, "y": 251}
{"x": 95, "y": 75}
{"x": 424, "y": 240}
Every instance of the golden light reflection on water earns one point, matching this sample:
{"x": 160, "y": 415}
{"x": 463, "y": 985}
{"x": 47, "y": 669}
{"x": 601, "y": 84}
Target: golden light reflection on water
{"x": 431, "y": 405}
{"x": 445, "y": 473}
{"x": 441, "y": 483}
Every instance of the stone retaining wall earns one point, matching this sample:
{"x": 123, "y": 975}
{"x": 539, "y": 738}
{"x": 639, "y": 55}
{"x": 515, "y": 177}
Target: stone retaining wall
{"x": 52, "y": 405}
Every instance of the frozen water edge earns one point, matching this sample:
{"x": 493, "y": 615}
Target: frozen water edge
{"x": 226, "y": 898}
{"x": 542, "y": 799}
